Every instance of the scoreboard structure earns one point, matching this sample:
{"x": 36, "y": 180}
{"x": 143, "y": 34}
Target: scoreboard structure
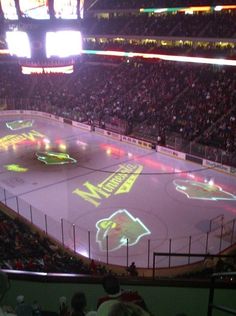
{"x": 43, "y": 34}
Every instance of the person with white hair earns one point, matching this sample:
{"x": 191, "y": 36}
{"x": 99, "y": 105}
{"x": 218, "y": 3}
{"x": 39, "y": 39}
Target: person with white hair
{"x": 63, "y": 307}
{"x": 22, "y": 308}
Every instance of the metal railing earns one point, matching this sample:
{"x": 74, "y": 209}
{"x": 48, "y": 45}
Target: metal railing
{"x": 186, "y": 256}
{"x": 202, "y": 151}
{"x": 220, "y": 235}
{"x": 211, "y": 305}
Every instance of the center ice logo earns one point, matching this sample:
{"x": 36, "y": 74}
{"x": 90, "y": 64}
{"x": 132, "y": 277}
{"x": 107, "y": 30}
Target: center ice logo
{"x": 119, "y": 227}
{"x": 55, "y": 158}
{"x": 119, "y": 182}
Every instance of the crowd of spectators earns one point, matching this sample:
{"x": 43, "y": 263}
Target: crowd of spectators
{"x": 220, "y": 25}
{"x": 196, "y": 103}
{"x": 154, "y": 98}
{"x": 25, "y": 249}
{"x": 223, "y": 132}
{"x": 131, "y": 4}
{"x": 185, "y": 48}
{"x": 115, "y": 302}
{"x": 214, "y": 265}
{"x": 212, "y": 95}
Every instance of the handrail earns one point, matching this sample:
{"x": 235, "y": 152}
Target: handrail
{"x": 212, "y": 306}
{"x": 187, "y": 255}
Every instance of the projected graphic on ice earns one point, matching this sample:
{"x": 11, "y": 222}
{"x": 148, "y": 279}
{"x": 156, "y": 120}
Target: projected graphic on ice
{"x": 55, "y": 158}
{"x": 98, "y": 192}
{"x": 20, "y": 124}
{"x": 119, "y": 227}
{"x": 14, "y": 139}
{"x": 202, "y": 191}
{"x": 15, "y": 168}
{"x": 119, "y": 182}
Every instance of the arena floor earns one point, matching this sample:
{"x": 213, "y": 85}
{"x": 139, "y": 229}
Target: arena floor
{"x": 109, "y": 188}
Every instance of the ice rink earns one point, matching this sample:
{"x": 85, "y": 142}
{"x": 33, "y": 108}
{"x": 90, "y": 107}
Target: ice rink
{"x": 109, "y": 199}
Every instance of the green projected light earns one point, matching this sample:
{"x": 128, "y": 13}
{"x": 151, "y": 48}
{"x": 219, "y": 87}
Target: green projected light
{"x": 202, "y": 191}
{"x": 54, "y": 158}
{"x": 15, "y": 168}
{"x": 119, "y": 182}
{"x": 14, "y": 139}
{"x": 119, "y": 227}
{"x": 20, "y": 124}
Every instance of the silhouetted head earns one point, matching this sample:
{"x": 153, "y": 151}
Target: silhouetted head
{"x": 111, "y": 284}
{"x": 78, "y": 302}
{"x": 4, "y": 284}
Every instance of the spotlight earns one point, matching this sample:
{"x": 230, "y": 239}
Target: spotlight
{"x": 62, "y": 147}
{"x": 46, "y": 141}
{"x": 211, "y": 182}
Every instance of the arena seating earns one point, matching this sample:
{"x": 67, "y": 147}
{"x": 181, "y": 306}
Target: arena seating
{"x": 117, "y": 4}
{"x": 154, "y": 98}
{"x": 183, "y": 48}
{"x": 123, "y": 4}
{"x": 23, "y": 248}
{"x": 215, "y": 25}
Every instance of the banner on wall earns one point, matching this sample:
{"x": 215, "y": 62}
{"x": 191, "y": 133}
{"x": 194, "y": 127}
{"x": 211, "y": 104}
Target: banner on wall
{"x": 170, "y": 152}
{"x": 219, "y": 167}
{"x": 137, "y": 142}
{"x": 82, "y": 125}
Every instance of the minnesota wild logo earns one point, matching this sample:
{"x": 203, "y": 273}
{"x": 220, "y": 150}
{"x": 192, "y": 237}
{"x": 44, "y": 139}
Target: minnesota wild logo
{"x": 20, "y": 124}
{"x": 54, "y": 158}
{"x": 119, "y": 227}
{"x": 119, "y": 182}
{"x": 202, "y": 191}
{"x": 14, "y": 139}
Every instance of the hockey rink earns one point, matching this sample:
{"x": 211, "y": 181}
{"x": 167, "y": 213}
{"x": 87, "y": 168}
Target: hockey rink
{"x": 111, "y": 200}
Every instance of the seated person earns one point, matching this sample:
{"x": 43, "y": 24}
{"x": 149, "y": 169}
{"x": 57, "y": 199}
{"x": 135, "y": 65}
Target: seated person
{"x": 112, "y": 287}
{"x": 132, "y": 269}
{"x": 63, "y": 307}
{"x": 79, "y": 304}
{"x": 22, "y": 308}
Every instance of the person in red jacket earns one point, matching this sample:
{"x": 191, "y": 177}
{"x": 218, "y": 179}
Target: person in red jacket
{"x": 112, "y": 287}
